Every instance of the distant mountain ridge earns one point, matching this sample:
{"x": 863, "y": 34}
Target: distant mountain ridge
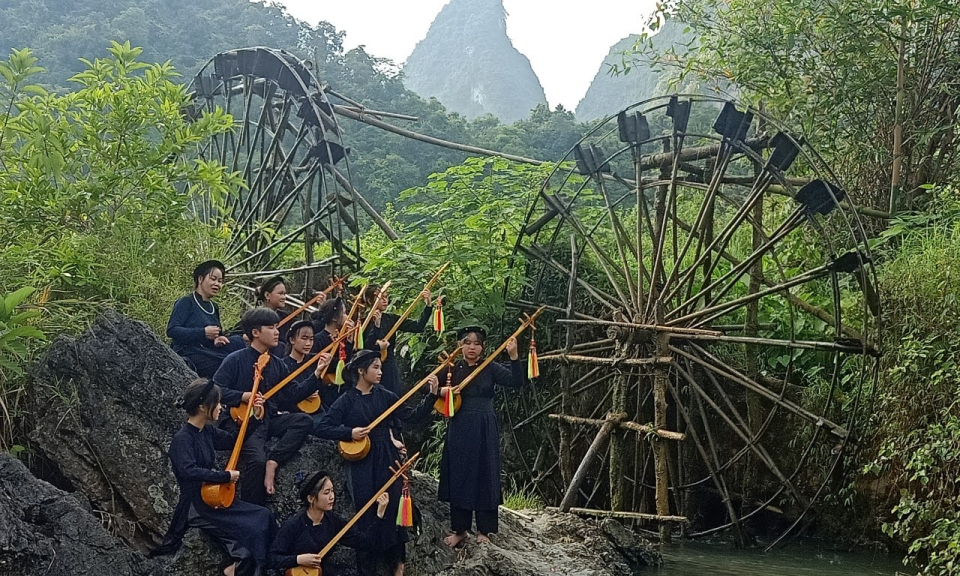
{"x": 609, "y": 94}
{"x": 468, "y": 63}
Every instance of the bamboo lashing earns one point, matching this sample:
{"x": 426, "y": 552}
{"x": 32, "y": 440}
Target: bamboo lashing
{"x": 237, "y": 411}
{"x": 524, "y": 324}
{"x": 314, "y": 300}
{"x": 218, "y": 495}
{"x": 311, "y": 571}
{"x": 409, "y": 310}
{"x": 357, "y": 449}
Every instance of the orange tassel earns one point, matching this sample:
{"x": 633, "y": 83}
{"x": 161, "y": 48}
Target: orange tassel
{"x": 405, "y": 509}
{"x": 533, "y": 365}
{"x": 439, "y": 323}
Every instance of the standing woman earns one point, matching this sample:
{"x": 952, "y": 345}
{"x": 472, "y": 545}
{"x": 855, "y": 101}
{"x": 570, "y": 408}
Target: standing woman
{"x": 470, "y": 464}
{"x": 382, "y": 323}
{"x": 306, "y": 533}
{"x": 194, "y": 327}
{"x": 272, "y": 294}
{"x": 243, "y": 529}
{"x": 348, "y": 419}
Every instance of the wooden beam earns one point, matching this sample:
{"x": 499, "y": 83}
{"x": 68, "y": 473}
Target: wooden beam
{"x": 628, "y": 515}
{"x": 628, "y": 425}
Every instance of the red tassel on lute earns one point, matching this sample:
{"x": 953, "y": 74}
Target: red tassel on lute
{"x": 533, "y": 365}
{"x": 405, "y": 509}
{"x": 439, "y": 323}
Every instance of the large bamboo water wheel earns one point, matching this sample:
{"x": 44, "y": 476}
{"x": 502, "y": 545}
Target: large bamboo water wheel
{"x": 710, "y": 323}
{"x": 287, "y": 145}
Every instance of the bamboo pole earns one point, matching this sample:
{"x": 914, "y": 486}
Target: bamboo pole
{"x": 581, "y": 474}
{"x": 641, "y": 428}
{"x": 619, "y": 514}
{"x": 606, "y": 361}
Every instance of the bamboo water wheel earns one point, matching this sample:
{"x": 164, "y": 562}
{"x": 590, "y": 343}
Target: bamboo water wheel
{"x": 287, "y": 145}
{"x": 710, "y": 327}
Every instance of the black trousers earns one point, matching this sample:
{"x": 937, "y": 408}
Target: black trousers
{"x": 291, "y": 430}
{"x": 461, "y": 520}
{"x": 246, "y": 563}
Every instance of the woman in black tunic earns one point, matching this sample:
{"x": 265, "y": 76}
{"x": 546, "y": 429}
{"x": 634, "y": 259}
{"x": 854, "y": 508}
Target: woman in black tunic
{"x": 470, "y": 464}
{"x": 306, "y": 533}
{"x": 243, "y": 529}
{"x": 328, "y": 321}
{"x": 347, "y": 419}
{"x": 194, "y": 327}
{"x": 272, "y": 294}
{"x": 382, "y": 323}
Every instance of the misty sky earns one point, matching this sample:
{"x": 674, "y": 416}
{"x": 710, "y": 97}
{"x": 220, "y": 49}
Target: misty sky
{"x": 565, "y": 40}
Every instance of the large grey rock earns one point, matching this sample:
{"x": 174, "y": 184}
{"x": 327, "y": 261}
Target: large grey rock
{"x": 104, "y": 409}
{"x": 45, "y": 531}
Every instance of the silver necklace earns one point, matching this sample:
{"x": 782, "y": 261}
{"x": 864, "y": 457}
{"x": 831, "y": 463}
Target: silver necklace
{"x": 213, "y": 307}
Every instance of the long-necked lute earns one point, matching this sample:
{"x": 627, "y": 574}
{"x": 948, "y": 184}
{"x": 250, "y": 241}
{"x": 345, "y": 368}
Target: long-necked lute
{"x": 222, "y": 495}
{"x": 409, "y": 310}
{"x": 311, "y": 571}
{"x": 312, "y": 403}
{"x": 354, "y": 450}
{"x": 525, "y": 323}
{"x": 326, "y": 291}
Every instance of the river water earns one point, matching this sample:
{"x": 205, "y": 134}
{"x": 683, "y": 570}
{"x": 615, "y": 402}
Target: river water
{"x": 697, "y": 559}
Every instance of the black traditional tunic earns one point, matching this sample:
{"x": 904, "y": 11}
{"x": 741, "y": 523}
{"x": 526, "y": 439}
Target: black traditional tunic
{"x": 329, "y": 392}
{"x": 299, "y": 535}
{"x": 391, "y": 371}
{"x": 470, "y": 465}
{"x": 188, "y": 339}
{"x": 356, "y": 410}
{"x": 236, "y": 373}
{"x": 246, "y": 527}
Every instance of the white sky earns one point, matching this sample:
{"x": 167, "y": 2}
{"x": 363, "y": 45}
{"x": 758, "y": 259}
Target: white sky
{"x": 565, "y": 40}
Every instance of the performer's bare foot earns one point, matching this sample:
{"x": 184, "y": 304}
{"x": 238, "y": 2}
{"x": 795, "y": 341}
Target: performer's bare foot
{"x": 228, "y": 571}
{"x": 482, "y": 538}
{"x": 271, "y": 473}
{"x": 455, "y": 539}
{"x": 398, "y": 571}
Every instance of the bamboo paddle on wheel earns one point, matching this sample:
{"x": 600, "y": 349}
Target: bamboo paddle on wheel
{"x": 310, "y": 404}
{"x": 311, "y": 571}
{"x": 326, "y": 291}
{"x": 222, "y": 495}
{"x": 354, "y": 450}
{"x": 441, "y": 404}
{"x": 406, "y": 314}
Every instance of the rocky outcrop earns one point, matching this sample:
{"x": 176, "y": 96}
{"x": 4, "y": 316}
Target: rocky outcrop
{"x": 44, "y": 530}
{"x": 609, "y": 93}
{"x": 105, "y": 417}
{"x": 468, "y": 63}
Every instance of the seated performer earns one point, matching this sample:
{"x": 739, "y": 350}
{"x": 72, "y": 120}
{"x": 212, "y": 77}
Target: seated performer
{"x": 299, "y": 344}
{"x": 280, "y": 419}
{"x": 303, "y": 535}
{"x": 272, "y": 294}
{"x": 382, "y": 323}
{"x": 470, "y": 464}
{"x": 243, "y": 529}
{"x": 194, "y": 327}
{"x": 328, "y": 321}
{"x": 347, "y": 419}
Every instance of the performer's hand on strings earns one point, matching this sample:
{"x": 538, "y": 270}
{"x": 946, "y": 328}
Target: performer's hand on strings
{"x": 322, "y": 363}
{"x": 360, "y": 432}
{"x": 382, "y": 503}
{"x": 234, "y": 476}
{"x": 311, "y": 560}
{"x": 376, "y": 315}
{"x": 221, "y": 341}
{"x": 434, "y": 384}
{"x": 444, "y": 391}
{"x": 426, "y": 296}
{"x": 212, "y": 332}
{"x": 383, "y": 344}
{"x": 512, "y": 349}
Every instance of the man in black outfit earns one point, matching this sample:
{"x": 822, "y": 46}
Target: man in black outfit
{"x": 281, "y": 419}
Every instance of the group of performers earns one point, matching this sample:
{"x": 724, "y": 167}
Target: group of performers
{"x": 363, "y": 387}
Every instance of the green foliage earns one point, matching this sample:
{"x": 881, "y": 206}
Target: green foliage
{"x": 469, "y": 215}
{"x": 830, "y": 70}
{"x": 520, "y": 499}
{"x": 92, "y": 188}
{"x": 916, "y": 451}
